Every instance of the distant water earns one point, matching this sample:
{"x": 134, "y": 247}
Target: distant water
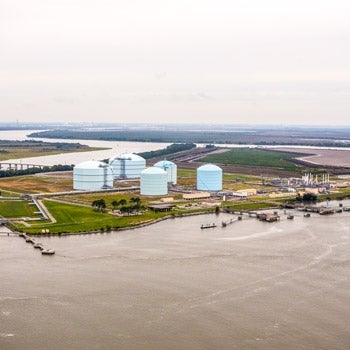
{"x": 251, "y": 285}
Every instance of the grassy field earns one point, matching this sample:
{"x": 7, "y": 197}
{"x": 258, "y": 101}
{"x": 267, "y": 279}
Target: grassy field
{"x": 17, "y": 209}
{"x": 109, "y": 197}
{"x": 4, "y": 193}
{"x": 36, "y": 184}
{"x": 254, "y": 157}
{"x": 72, "y": 219}
{"x": 249, "y": 205}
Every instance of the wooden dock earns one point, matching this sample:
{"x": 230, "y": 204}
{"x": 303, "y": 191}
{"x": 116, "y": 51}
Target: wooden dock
{"x": 37, "y": 245}
{"x": 231, "y": 221}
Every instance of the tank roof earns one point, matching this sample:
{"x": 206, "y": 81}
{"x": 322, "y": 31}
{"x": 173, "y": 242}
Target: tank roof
{"x": 153, "y": 170}
{"x": 209, "y": 167}
{"x": 127, "y": 156}
{"x": 91, "y": 164}
{"x": 164, "y": 163}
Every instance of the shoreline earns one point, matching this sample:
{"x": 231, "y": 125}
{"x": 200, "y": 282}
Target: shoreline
{"x": 144, "y": 224}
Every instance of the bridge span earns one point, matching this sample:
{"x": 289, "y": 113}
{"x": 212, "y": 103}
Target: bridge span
{"x": 20, "y": 166}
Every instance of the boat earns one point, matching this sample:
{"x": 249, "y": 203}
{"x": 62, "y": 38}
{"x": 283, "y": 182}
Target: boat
{"x": 208, "y": 226}
{"x": 290, "y": 217}
{"x": 48, "y": 252}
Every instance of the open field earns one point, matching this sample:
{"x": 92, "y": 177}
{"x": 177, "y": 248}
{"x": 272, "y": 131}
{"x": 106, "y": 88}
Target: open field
{"x": 253, "y": 157}
{"x": 328, "y": 157}
{"x": 36, "y": 184}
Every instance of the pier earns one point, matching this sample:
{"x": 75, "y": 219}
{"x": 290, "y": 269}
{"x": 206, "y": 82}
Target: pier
{"x": 241, "y": 212}
{"x": 231, "y": 221}
{"x": 36, "y": 245}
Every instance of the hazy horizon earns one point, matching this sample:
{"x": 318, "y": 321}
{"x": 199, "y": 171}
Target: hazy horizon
{"x": 198, "y": 62}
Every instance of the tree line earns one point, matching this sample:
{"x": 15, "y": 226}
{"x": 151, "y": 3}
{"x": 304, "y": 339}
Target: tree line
{"x": 133, "y": 205}
{"x": 173, "y": 148}
{"x": 31, "y": 171}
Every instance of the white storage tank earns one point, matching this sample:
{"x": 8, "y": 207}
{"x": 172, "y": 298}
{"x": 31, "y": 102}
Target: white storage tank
{"x": 92, "y": 175}
{"x": 154, "y": 182}
{"x": 170, "y": 168}
{"x": 209, "y": 178}
{"x": 127, "y": 166}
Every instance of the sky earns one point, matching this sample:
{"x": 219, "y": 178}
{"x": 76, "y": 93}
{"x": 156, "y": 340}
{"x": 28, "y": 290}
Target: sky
{"x": 181, "y": 61}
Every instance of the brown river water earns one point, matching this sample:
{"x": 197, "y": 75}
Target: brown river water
{"x": 171, "y": 285}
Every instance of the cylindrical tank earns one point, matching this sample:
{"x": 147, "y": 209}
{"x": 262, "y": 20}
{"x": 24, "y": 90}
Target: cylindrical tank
{"x": 92, "y": 175}
{"x": 127, "y": 166}
{"x": 170, "y": 168}
{"x": 209, "y": 178}
{"x": 154, "y": 182}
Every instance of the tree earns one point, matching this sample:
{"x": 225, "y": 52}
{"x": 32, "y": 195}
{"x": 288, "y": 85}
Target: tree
{"x": 135, "y": 200}
{"x": 309, "y": 197}
{"x": 99, "y": 204}
{"x": 123, "y": 202}
{"x": 115, "y": 203}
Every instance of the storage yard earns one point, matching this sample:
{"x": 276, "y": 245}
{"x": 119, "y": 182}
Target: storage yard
{"x": 134, "y": 193}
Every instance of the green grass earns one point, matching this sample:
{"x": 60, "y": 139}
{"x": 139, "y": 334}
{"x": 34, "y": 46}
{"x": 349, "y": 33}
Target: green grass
{"x": 5, "y": 193}
{"x": 17, "y": 209}
{"x": 186, "y": 172}
{"x": 254, "y": 157}
{"x": 73, "y": 218}
{"x": 342, "y": 194}
{"x": 88, "y": 198}
{"x": 241, "y": 177}
{"x": 250, "y": 205}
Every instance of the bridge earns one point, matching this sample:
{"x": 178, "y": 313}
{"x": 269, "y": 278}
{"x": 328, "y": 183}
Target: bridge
{"x": 19, "y": 166}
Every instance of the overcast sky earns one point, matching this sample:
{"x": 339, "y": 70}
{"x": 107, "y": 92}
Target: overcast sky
{"x": 191, "y": 61}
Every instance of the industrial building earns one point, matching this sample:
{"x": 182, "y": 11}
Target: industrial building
{"x": 197, "y": 195}
{"x": 170, "y": 168}
{"x": 92, "y": 175}
{"x": 127, "y": 166}
{"x": 154, "y": 182}
{"x": 209, "y": 178}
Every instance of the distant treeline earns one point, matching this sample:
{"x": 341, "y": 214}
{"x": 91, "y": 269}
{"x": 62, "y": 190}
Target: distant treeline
{"x": 31, "y": 171}
{"x": 305, "y": 137}
{"x": 174, "y": 148}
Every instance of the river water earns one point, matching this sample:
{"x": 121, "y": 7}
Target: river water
{"x": 171, "y": 285}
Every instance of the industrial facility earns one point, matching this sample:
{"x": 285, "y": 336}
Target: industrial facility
{"x": 154, "y": 182}
{"x": 92, "y": 175}
{"x": 209, "y": 178}
{"x": 127, "y": 166}
{"x": 171, "y": 170}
